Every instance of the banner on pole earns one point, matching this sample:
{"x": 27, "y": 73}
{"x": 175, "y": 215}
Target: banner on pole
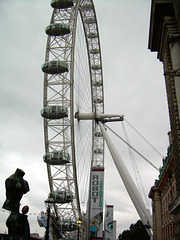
{"x": 114, "y": 230}
{"x": 96, "y": 211}
{"x": 108, "y": 226}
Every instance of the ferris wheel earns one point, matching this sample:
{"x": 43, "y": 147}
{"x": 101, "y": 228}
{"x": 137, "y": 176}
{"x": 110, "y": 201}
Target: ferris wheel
{"x": 74, "y": 116}
{"x": 73, "y": 85}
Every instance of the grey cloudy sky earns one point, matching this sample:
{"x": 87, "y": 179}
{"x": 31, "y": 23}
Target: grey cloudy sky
{"x": 133, "y": 86}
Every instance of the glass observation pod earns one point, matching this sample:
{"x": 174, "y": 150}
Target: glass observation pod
{"x": 98, "y": 100}
{"x": 94, "y": 51}
{"x": 60, "y": 197}
{"x": 92, "y": 35}
{"x": 98, "y": 134}
{"x": 98, "y": 151}
{"x": 55, "y": 67}
{"x": 42, "y": 219}
{"x": 97, "y": 84}
{"x": 59, "y": 4}
{"x": 57, "y": 29}
{"x": 67, "y": 225}
{"x": 56, "y": 158}
{"x": 90, "y": 20}
{"x": 96, "y": 67}
{"x": 54, "y": 112}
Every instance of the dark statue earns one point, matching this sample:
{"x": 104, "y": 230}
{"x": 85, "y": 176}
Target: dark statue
{"x": 16, "y": 186}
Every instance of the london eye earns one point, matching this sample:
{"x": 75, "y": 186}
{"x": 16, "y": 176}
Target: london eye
{"x": 74, "y": 118}
{"x": 73, "y": 84}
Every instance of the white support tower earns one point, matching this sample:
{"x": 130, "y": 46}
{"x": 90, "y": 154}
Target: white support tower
{"x": 128, "y": 182}
{"x": 123, "y": 171}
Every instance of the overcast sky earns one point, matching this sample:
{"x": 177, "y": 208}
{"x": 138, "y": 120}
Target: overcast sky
{"x": 133, "y": 86}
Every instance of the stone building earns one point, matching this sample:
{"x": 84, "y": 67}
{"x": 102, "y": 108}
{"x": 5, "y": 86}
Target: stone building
{"x": 163, "y": 193}
{"x": 164, "y": 38}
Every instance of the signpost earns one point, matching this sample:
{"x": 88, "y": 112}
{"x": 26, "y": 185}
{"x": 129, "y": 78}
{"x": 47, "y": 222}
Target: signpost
{"x": 96, "y": 209}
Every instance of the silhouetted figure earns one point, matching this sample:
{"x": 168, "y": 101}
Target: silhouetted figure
{"x": 16, "y": 186}
{"x": 24, "y": 224}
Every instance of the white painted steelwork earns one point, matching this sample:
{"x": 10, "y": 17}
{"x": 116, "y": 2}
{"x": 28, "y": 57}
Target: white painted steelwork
{"x": 99, "y": 117}
{"x": 128, "y": 181}
{"x": 76, "y": 90}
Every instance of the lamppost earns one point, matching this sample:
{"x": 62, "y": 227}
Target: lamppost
{"x": 48, "y": 204}
{"x": 78, "y": 224}
{"x": 47, "y": 226}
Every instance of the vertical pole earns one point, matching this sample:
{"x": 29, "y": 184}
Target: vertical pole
{"x": 78, "y": 224}
{"x": 47, "y": 226}
{"x": 89, "y": 207}
{"x": 128, "y": 181}
{"x": 78, "y": 232}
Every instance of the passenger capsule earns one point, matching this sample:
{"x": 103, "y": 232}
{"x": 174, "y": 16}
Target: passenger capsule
{"x": 94, "y": 51}
{"x": 67, "y": 225}
{"x": 55, "y": 67}
{"x": 92, "y": 35}
{"x": 57, "y": 29}
{"x": 60, "y": 197}
{"x": 54, "y": 112}
{"x": 90, "y": 20}
{"x": 98, "y": 151}
{"x": 56, "y": 158}
{"x": 59, "y": 4}
{"x": 96, "y": 67}
{"x": 42, "y": 219}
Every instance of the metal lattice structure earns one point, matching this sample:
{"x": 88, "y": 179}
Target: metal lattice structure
{"x": 73, "y": 82}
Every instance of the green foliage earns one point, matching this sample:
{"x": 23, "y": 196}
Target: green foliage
{"x": 136, "y": 231}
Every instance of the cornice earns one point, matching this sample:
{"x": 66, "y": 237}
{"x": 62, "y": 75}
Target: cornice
{"x": 159, "y": 10}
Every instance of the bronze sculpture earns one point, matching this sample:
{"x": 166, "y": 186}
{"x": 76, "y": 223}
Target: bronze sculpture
{"x": 16, "y": 186}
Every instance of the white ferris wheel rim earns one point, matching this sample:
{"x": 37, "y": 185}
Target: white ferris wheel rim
{"x": 83, "y": 9}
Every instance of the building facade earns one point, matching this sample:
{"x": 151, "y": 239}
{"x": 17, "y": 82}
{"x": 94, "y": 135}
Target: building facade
{"x": 164, "y": 38}
{"x": 163, "y": 193}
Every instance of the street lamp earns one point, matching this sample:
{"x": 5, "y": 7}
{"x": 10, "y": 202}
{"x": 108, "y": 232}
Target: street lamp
{"x": 47, "y": 226}
{"x": 48, "y": 204}
{"x": 78, "y": 224}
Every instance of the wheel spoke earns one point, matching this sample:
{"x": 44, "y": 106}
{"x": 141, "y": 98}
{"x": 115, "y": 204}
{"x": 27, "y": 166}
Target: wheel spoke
{"x": 75, "y": 88}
